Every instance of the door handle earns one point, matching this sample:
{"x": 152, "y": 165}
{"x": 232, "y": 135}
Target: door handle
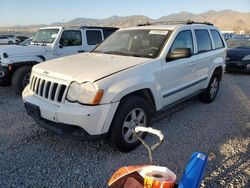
{"x": 81, "y": 51}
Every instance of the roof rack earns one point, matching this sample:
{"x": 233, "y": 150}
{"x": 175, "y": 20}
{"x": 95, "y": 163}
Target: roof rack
{"x": 91, "y": 27}
{"x": 188, "y": 22}
{"x": 98, "y": 27}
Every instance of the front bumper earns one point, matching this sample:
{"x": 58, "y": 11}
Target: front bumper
{"x": 71, "y": 120}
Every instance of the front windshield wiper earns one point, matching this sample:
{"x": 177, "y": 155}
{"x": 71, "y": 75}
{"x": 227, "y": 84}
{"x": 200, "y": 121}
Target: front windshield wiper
{"x": 115, "y": 53}
{"x": 124, "y": 54}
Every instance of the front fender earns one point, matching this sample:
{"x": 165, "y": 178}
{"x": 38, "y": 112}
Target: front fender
{"x": 25, "y": 59}
{"x": 137, "y": 78}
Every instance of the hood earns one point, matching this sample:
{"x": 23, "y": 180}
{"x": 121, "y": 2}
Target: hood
{"x": 87, "y": 66}
{"x": 13, "y": 50}
{"x": 237, "y": 53}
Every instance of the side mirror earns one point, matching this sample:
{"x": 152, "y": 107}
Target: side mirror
{"x": 60, "y": 46}
{"x": 179, "y": 53}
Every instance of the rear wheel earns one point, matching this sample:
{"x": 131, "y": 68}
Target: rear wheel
{"x": 133, "y": 111}
{"x": 10, "y": 42}
{"x": 21, "y": 79}
{"x": 211, "y": 92}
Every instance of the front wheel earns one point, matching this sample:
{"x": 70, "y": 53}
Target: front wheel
{"x": 133, "y": 111}
{"x": 211, "y": 92}
{"x": 21, "y": 79}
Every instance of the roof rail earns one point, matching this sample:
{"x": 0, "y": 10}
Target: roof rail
{"x": 188, "y": 22}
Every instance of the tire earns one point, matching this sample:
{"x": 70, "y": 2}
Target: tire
{"x": 211, "y": 92}
{"x": 10, "y": 42}
{"x": 20, "y": 79}
{"x": 128, "y": 107}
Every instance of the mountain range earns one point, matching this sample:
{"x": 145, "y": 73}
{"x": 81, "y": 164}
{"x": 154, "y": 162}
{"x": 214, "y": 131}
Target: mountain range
{"x": 225, "y": 20}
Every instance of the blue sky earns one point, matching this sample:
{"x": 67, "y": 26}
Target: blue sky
{"x": 22, "y": 12}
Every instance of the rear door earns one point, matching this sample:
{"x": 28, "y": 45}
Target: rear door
{"x": 204, "y": 55}
{"x": 178, "y": 76}
{"x": 93, "y": 38}
{"x": 71, "y": 42}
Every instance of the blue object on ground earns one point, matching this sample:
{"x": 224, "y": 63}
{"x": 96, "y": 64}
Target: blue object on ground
{"x": 194, "y": 172}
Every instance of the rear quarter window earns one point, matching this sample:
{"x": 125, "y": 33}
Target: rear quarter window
{"x": 218, "y": 42}
{"x": 204, "y": 43}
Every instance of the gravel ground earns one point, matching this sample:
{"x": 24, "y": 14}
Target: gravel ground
{"x": 33, "y": 157}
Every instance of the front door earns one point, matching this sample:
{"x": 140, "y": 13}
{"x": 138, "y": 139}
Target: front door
{"x": 178, "y": 76}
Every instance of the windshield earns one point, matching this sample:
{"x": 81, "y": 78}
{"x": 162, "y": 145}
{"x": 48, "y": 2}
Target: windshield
{"x": 238, "y": 44}
{"x": 138, "y": 43}
{"x": 46, "y": 36}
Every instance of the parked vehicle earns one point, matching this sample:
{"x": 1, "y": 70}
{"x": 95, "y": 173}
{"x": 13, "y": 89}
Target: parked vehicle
{"x": 238, "y": 55}
{"x": 15, "y": 40}
{"x": 134, "y": 73}
{"x": 22, "y": 38}
{"x": 26, "y": 42}
{"x": 227, "y": 36}
{"x": 6, "y": 40}
{"x": 49, "y": 43}
{"x": 241, "y": 37}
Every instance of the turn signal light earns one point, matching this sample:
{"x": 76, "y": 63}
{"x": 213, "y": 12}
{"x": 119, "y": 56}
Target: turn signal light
{"x": 98, "y": 97}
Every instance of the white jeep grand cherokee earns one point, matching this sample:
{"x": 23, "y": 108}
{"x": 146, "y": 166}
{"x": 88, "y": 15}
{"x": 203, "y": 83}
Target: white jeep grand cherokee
{"x": 132, "y": 74}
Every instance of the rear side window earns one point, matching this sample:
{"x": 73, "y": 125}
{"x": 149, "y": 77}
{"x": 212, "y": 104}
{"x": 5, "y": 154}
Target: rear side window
{"x": 93, "y": 37}
{"x": 183, "y": 40}
{"x": 204, "y": 43}
{"x": 217, "y": 39}
{"x": 71, "y": 38}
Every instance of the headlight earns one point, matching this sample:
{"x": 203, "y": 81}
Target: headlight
{"x": 247, "y": 57}
{"x": 85, "y": 93}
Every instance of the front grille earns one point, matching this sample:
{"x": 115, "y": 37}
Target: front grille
{"x": 47, "y": 89}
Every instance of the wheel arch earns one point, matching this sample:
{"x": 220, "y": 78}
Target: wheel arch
{"x": 145, "y": 94}
{"x": 218, "y": 70}
{"x": 18, "y": 65}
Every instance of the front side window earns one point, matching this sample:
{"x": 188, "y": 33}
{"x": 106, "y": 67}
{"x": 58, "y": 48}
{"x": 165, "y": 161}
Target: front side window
{"x": 94, "y": 37}
{"x": 137, "y": 43}
{"x": 45, "y": 36}
{"x": 204, "y": 43}
{"x": 183, "y": 40}
{"x": 71, "y": 38}
{"x": 217, "y": 39}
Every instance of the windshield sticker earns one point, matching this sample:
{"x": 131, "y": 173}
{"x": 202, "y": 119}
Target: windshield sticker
{"x": 158, "y": 32}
